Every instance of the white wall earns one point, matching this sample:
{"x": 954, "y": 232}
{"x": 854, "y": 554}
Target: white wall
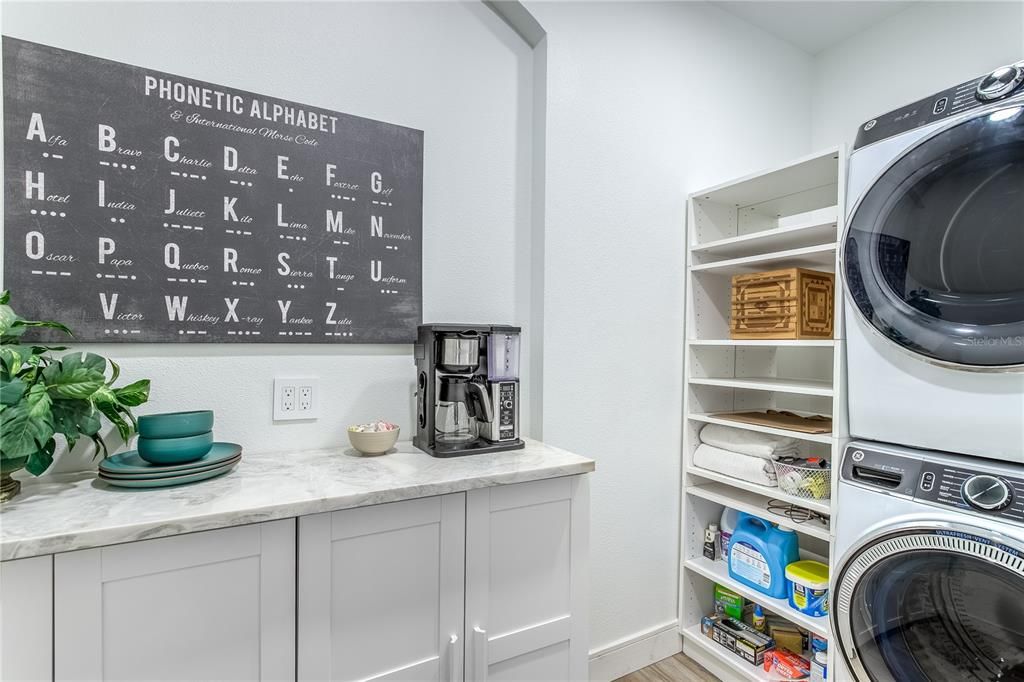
{"x": 925, "y": 48}
{"x": 645, "y": 103}
{"x": 454, "y": 70}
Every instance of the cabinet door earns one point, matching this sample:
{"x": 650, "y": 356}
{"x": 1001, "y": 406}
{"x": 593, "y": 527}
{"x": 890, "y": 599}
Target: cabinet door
{"x": 213, "y": 605}
{"x": 526, "y": 581}
{"x": 26, "y": 619}
{"x": 381, "y": 592}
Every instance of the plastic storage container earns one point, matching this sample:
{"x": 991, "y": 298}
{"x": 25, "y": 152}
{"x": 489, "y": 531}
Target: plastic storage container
{"x": 808, "y": 587}
{"x": 725, "y": 529}
{"x": 759, "y": 553}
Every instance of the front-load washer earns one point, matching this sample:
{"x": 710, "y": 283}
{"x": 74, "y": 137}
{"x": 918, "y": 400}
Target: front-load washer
{"x": 933, "y": 262}
{"x": 929, "y": 583}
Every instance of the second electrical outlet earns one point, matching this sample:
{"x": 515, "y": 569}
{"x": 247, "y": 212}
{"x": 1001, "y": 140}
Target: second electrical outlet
{"x": 296, "y": 398}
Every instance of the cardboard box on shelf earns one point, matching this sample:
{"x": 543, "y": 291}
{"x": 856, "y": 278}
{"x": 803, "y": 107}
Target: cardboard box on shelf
{"x": 738, "y": 637}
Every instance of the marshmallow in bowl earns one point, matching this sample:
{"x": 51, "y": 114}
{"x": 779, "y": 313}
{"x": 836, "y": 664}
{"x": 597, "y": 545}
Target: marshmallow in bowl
{"x": 374, "y": 427}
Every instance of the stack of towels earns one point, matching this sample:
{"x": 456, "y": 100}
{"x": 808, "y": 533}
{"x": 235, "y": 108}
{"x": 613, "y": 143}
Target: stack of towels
{"x": 742, "y": 454}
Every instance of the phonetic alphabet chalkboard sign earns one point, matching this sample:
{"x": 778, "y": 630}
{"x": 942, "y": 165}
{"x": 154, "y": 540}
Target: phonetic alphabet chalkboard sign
{"x": 142, "y": 206}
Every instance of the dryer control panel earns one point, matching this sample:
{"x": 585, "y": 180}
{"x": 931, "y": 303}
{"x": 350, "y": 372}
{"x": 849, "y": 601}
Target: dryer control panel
{"x": 977, "y": 92}
{"x": 971, "y": 485}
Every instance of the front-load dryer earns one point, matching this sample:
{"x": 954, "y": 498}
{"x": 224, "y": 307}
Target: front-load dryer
{"x": 933, "y": 262}
{"x": 929, "y": 583}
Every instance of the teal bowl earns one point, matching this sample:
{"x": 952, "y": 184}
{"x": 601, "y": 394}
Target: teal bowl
{"x": 175, "y": 450}
{"x": 175, "y": 424}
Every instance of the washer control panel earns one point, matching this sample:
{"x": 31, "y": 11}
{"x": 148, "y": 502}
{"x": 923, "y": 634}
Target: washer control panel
{"x": 1005, "y": 81}
{"x": 942, "y": 480}
{"x": 967, "y": 488}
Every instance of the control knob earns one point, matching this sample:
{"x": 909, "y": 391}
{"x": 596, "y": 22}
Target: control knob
{"x": 1000, "y": 82}
{"x": 987, "y": 493}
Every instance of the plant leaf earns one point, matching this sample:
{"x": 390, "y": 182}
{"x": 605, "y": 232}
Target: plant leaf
{"x": 110, "y": 411}
{"x": 23, "y": 433}
{"x": 115, "y": 370}
{"x": 100, "y": 446}
{"x": 11, "y": 391}
{"x": 40, "y": 460}
{"x": 72, "y": 418}
{"x": 5, "y": 297}
{"x": 134, "y": 394}
{"x": 7, "y": 319}
{"x": 24, "y": 325}
{"x": 71, "y": 379}
{"x": 39, "y": 350}
{"x": 39, "y": 403}
{"x": 73, "y": 361}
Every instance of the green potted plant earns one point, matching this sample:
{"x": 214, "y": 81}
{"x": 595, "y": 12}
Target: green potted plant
{"x": 42, "y": 396}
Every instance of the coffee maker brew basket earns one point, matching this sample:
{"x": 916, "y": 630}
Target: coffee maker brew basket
{"x": 458, "y": 352}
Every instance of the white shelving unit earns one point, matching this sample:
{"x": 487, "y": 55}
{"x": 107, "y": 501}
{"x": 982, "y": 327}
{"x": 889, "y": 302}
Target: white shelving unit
{"x": 787, "y": 216}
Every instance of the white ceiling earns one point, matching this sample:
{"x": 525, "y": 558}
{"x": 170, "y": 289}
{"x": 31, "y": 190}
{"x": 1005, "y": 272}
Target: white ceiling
{"x": 813, "y": 25}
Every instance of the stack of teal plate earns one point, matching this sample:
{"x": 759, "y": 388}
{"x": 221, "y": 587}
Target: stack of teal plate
{"x": 174, "y": 448}
{"x": 129, "y": 470}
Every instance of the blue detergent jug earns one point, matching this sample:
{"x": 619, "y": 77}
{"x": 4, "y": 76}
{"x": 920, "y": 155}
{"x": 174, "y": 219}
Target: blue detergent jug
{"x": 759, "y": 553}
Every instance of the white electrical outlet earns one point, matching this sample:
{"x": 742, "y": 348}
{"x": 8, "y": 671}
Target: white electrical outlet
{"x": 296, "y": 398}
{"x": 305, "y": 398}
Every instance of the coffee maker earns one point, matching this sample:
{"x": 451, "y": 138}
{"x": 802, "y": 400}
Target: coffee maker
{"x": 467, "y": 389}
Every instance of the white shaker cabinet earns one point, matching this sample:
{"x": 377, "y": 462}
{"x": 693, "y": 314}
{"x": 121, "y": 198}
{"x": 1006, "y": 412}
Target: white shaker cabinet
{"x": 526, "y": 581}
{"x": 26, "y": 619}
{"x": 381, "y": 592}
{"x": 484, "y": 585}
{"x": 210, "y": 605}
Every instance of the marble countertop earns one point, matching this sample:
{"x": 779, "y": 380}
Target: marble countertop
{"x": 76, "y": 511}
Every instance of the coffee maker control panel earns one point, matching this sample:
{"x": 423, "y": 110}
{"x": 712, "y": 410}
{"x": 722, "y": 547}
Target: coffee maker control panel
{"x": 506, "y": 412}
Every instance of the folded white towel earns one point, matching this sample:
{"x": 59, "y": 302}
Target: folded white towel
{"x": 748, "y": 442}
{"x": 744, "y": 467}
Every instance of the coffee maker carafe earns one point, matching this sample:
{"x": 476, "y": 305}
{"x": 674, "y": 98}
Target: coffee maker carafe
{"x": 467, "y": 389}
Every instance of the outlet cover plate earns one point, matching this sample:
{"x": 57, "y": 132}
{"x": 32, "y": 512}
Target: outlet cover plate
{"x": 302, "y": 394}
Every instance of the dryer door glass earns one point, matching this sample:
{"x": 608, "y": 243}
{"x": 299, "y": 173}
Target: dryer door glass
{"x": 934, "y": 254}
{"x": 920, "y": 616}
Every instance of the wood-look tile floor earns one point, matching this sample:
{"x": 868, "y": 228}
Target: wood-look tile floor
{"x": 678, "y": 668}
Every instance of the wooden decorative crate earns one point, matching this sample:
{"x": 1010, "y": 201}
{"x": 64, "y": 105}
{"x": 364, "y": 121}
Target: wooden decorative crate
{"x": 783, "y": 304}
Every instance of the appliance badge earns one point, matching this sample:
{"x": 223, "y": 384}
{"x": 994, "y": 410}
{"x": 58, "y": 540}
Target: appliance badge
{"x": 870, "y": 124}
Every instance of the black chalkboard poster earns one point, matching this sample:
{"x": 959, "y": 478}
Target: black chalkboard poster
{"x": 142, "y": 206}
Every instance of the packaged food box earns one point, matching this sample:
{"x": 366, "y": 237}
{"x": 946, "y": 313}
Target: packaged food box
{"x": 738, "y": 637}
{"x": 786, "y": 665}
{"x": 728, "y": 602}
{"x": 788, "y": 636}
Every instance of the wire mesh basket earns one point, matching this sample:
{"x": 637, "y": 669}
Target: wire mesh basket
{"x": 807, "y": 482}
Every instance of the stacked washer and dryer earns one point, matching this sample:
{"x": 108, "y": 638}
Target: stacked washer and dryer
{"x": 929, "y": 584}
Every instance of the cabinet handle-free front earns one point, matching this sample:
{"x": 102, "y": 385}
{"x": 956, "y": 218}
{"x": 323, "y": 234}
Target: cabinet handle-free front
{"x": 480, "y": 653}
{"x": 451, "y": 658}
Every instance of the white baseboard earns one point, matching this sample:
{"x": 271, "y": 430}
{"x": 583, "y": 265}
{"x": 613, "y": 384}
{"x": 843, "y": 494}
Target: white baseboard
{"x": 634, "y": 652}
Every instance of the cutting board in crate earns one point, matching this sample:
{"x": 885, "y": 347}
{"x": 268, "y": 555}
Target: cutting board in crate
{"x": 783, "y": 304}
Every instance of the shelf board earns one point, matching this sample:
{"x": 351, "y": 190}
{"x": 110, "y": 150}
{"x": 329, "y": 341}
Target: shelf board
{"x": 756, "y": 504}
{"x": 817, "y": 257}
{"x": 718, "y": 572}
{"x": 822, "y": 506}
{"x": 776, "y": 239}
{"x": 728, "y": 659}
{"x": 812, "y": 437}
{"x": 770, "y": 343}
{"x": 814, "y": 170}
{"x": 799, "y": 386}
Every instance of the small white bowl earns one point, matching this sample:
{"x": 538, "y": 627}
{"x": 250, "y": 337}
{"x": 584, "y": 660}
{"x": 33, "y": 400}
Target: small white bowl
{"x": 373, "y": 442}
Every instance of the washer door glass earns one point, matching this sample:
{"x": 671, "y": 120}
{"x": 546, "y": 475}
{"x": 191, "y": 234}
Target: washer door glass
{"x": 924, "y": 616}
{"x": 934, "y": 254}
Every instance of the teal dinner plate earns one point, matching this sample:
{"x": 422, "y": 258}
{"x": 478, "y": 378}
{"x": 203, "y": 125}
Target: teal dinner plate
{"x": 131, "y": 463}
{"x": 168, "y": 481}
{"x": 167, "y": 474}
